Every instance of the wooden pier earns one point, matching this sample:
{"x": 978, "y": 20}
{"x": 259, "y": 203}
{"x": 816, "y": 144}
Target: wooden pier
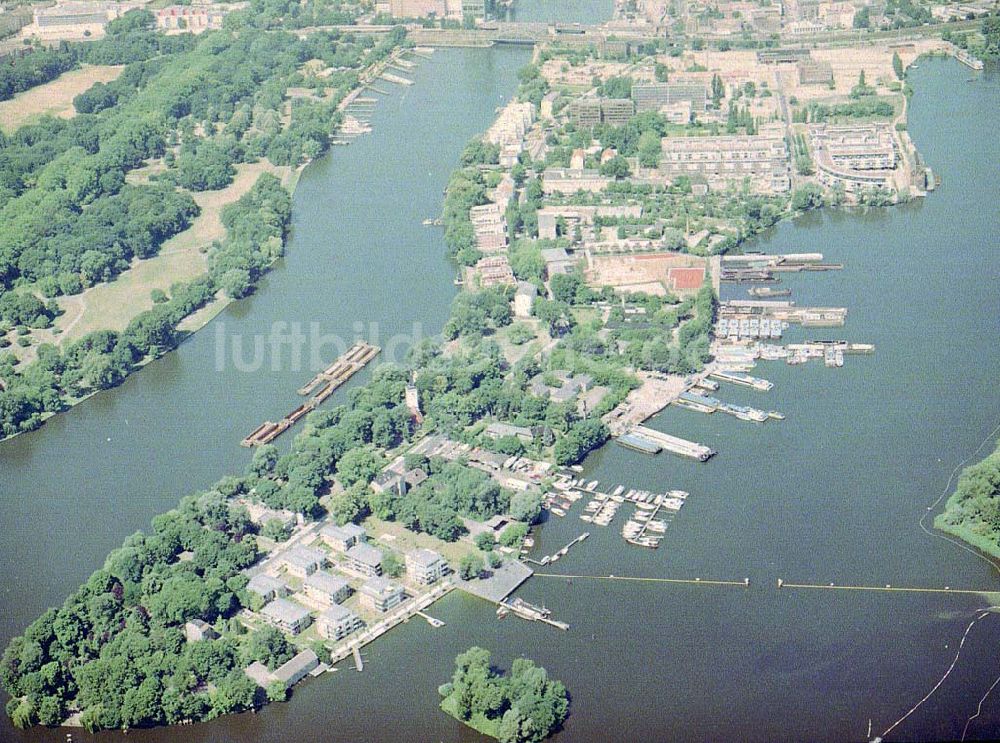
{"x": 354, "y": 360}
{"x": 560, "y": 553}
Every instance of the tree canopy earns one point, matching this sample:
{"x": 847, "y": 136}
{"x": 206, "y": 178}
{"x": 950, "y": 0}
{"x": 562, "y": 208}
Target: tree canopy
{"x": 525, "y": 706}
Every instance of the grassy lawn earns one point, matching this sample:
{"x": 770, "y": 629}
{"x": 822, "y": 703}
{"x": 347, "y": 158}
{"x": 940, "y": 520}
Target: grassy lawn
{"x": 478, "y": 722}
{"x": 402, "y": 540}
{"x": 113, "y": 305}
{"x": 55, "y": 97}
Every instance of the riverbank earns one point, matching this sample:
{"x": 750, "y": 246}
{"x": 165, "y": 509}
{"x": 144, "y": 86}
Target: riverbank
{"x": 184, "y": 260}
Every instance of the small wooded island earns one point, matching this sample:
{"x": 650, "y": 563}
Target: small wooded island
{"x": 522, "y": 707}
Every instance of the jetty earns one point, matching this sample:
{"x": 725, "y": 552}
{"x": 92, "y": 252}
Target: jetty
{"x": 559, "y": 553}
{"x": 760, "y": 267}
{"x": 358, "y": 663}
{"x": 783, "y": 310}
{"x": 635, "y": 530}
{"x": 644, "y": 439}
{"x": 436, "y": 623}
{"x": 354, "y": 360}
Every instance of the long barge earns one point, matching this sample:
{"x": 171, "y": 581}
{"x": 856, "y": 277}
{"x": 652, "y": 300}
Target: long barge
{"x": 642, "y": 436}
{"x": 347, "y": 365}
{"x": 521, "y": 608}
{"x": 326, "y": 382}
{"x": 743, "y": 379}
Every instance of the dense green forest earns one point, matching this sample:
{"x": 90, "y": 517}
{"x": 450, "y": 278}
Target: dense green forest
{"x": 202, "y": 105}
{"x": 256, "y": 227}
{"x": 525, "y": 706}
{"x": 973, "y": 510}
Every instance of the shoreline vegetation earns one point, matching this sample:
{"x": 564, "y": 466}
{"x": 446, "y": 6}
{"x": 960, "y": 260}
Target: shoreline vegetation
{"x": 525, "y": 706}
{"x": 972, "y": 511}
{"x": 187, "y": 111}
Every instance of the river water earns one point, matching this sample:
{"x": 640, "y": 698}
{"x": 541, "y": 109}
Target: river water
{"x": 834, "y": 493}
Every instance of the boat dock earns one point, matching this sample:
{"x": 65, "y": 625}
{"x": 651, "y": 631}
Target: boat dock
{"x": 650, "y": 438}
{"x": 358, "y": 663}
{"x": 436, "y": 623}
{"x": 963, "y": 56}
{"x": 560, "y": 553}
{"x": 354, "y": 360}
{"x": 635, "y": 530}
{"x": 783, "y": 310}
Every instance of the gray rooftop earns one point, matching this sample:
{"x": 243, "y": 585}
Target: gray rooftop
{"x": 500, "y": 430}
{"x": 337, "y": 614}
{"x": 380, "y": 587}
{"x": 366, "y": 554}
{"x": 526, "y": 289}
{"x": 554, "y": 254}
{"x": 346, "y": 532}
{"x": 304, "y": 556}
{"x": 424, "y": 557}
{"x": 301, "y": 663}
{"x": 265, "y": 584}
{"x": 325, "y": 582}
{"x": 284, "y": 611}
